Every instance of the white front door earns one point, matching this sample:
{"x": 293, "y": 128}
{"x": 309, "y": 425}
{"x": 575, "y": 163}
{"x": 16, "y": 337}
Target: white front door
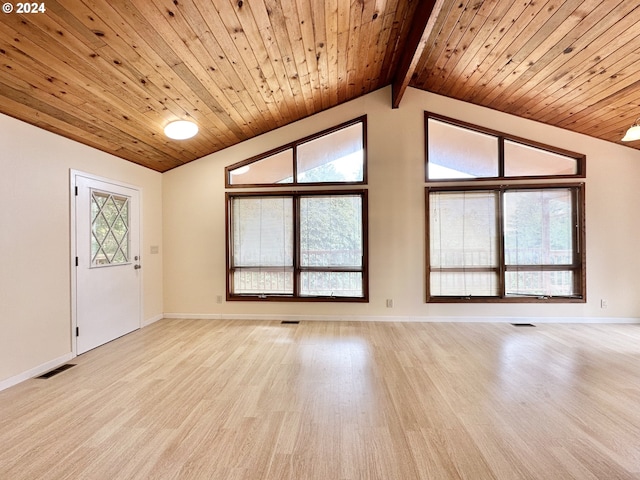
{"x": 107, "y": 260}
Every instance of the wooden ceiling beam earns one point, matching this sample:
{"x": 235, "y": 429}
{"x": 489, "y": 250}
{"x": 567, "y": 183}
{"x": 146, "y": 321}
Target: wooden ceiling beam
{"x": 421, "y": 28}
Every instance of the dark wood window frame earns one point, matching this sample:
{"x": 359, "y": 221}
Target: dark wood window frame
{"x": 578, "y": 266}
{"x": 501, "y": 137}
{"x": 296, "y": 190}
{"x": 297, "y": 268}
{"x": 294, "y": 147}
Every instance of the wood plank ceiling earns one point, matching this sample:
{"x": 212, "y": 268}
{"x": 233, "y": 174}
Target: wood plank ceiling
{"x": 574, "y": 64}
{"x": 112, "y": 73}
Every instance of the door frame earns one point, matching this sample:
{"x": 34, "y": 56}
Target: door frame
{"x": 73, "y": 174}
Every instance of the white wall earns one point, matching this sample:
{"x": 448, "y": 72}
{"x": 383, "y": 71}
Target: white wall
{"x": 194, "y": 220}
{"x": 35, "y": 289}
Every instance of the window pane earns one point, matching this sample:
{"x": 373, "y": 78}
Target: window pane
{"x": 456, "y": 152}
{"x": 331, "y": 284}
{"x": 464, "y": 284}
{"x": 336, "y": 157}
{"x": 263, "y": 242}
{"x": 538, "y": 227}
{"x": 522, "y": 160}
{"x": 463, "y": 234}
{"x": 463, "y": 229}
{"x": 262, "y": 231}
{"x": 331, "y": 231}
{"x": 109, "y": 229}
{"x": 263, "y": 281}
{"x": 278, "y": 168}
{"x": 544, "y": 283}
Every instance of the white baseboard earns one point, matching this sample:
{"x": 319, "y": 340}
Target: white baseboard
{"x": 149, "y": 321}
{"x": 196, "y": 316}
{"x": 34, "y": 372}
{"x": 423, "y": 319}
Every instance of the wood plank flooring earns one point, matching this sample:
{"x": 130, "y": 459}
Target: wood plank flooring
{"x": 205, "y": 399}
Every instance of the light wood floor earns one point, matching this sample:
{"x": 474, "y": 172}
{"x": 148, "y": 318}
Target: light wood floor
{"x": 190, "y": 399}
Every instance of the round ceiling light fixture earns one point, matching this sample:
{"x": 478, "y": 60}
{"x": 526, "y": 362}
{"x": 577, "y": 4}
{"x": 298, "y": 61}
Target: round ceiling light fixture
{"x": 181, "y": 130}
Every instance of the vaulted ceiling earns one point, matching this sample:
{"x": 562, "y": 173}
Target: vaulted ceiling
{"x": 112, "y": 73}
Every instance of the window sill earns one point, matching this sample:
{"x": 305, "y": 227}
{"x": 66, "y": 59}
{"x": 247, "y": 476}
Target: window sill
{"x": 508, "y": 299}
{"x": 290, "y": 298}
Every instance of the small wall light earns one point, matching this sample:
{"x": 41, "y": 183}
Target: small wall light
{"x": 181, "y": 130}
{"x": 633, "y": 133}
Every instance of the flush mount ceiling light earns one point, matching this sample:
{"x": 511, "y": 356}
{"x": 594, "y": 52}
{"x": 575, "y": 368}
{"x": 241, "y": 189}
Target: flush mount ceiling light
{"x": 181, "y": 130}
{"x": 633, "y": 133}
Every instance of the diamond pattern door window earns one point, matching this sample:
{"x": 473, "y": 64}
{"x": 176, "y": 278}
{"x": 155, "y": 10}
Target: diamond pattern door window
{"x": 109, "y": 229}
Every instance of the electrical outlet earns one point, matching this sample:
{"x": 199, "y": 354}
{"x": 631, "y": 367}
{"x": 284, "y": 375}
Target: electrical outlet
{"x": 219, "y": 299}
{"x": 389, "y": 302}
{"x": 603, "y": 303}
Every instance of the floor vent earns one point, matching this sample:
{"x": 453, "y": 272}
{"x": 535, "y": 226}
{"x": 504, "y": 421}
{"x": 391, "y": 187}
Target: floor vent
{"x": 56, "y": 371}
{"x": 289, "y": 322}
{"x": 523, "y": 324}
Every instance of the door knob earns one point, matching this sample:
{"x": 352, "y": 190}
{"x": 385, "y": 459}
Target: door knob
{"x": 137, "y": 267}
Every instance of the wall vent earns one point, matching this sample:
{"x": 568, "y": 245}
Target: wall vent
{"x": 56, "y": 371}
{"x": 290, "y": 322}
{"x": 523, "y": 324}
